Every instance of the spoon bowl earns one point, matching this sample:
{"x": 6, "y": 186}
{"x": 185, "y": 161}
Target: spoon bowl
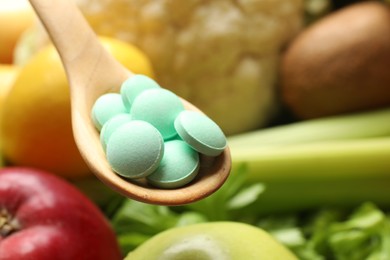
{"x": 92, "y": 72}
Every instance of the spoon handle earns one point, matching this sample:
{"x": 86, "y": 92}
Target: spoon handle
{"x": 82, "y": 54}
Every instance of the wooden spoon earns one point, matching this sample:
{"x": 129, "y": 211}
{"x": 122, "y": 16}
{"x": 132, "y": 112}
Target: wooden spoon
{"x": 92, "y": 72}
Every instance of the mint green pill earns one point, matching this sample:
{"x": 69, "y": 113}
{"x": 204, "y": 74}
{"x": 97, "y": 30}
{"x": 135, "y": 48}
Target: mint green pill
{"x": 159, "y": 107}
{"x": 133, "y": 86}
{"x": 200, "y": 132}
{"x": 178, "y": 167}
{"x": 111, "y": 125}
{"x": 106, "y": 107}
{"x": 135, "y": 149}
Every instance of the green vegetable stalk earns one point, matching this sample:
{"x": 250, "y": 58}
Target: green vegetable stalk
{"x": 337, "y": 160}
{"x": 368, "y": 124}
{"x": 342, "y": 160}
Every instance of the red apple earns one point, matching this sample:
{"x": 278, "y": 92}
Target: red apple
{"x": 44, "y": 217}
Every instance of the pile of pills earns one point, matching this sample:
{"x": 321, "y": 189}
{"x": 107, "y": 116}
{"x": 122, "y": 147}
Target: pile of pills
{"x": 146, "y": 132}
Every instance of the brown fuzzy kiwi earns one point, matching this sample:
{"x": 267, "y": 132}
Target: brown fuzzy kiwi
{"x": 340, "y": 64}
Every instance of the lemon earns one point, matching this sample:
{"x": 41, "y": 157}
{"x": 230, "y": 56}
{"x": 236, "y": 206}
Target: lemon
{"x": 7, "y": 76}
{"x": 36, "y": 126}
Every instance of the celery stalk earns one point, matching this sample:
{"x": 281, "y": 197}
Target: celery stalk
{"x": 285, "y": 197}
{"x": 339, "y": 160}
{"x": 364, "y": 159}
{"x": 350, "y": 126}
{"x": 339, "y": 172}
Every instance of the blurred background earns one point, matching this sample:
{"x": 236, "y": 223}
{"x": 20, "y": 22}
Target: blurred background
{"x": 301, "y": 88}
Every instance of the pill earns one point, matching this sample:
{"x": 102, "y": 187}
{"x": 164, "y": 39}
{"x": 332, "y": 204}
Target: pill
{"x": 111, "y": 125}
{"x": 200, "y": 132}
{"x": 135, "y": 149}
{"x": 133, "y": 86}
{"x": 159, "y": 107}
{"x": 105, "y": 107}
{"x": 178, "y": 167}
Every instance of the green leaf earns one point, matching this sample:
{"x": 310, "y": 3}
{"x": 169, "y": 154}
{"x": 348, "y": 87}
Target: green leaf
{"x": 144, "y": 218}
{"x": 234, "y": 195}
{"x": 291, "y": 237}
{"x": 246, "y": 196}
{"x": 368, "y": 218}
{"x": 135, "y": 222}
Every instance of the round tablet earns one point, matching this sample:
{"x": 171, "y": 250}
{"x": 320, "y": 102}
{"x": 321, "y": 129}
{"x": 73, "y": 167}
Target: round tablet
{"x": 200, "y": 132}
{"x": 135, "y": 149}
{"x": 133, "y": 86}
{"x": 105, "y": 107}
{"x": 159, "y": 107}
{"x": 179, "y": 166}
{"x": 111, "y": 125}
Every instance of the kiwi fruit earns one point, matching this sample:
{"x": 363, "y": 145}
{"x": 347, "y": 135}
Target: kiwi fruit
{"x": 339, "y": 64}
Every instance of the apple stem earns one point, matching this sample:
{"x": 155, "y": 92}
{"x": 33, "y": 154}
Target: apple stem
{"x": 8, "y": 224}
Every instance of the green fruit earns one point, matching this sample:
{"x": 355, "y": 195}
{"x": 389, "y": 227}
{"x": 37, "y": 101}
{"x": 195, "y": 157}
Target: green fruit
{"x": 213, "y": 240}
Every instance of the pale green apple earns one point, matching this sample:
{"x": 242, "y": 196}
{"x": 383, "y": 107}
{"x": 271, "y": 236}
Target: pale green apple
{"x": 210, "y": 241}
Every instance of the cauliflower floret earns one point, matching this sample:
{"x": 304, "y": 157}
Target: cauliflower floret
{"x": 221, "y": 55}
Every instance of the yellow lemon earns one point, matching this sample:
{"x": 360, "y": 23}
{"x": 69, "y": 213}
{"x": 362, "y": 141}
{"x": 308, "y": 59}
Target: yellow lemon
{"x": 36, "y": 125}
{"x": 7, "y": 76}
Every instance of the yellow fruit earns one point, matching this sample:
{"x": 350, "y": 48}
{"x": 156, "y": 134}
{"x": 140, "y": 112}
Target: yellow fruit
{"x": 7, "y": 76}
{"x": 37, "y": 122}
{"x": 15, "y": 17}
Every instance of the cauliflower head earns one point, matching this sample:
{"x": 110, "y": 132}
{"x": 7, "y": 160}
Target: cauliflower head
{"x": 221, "y": 55}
